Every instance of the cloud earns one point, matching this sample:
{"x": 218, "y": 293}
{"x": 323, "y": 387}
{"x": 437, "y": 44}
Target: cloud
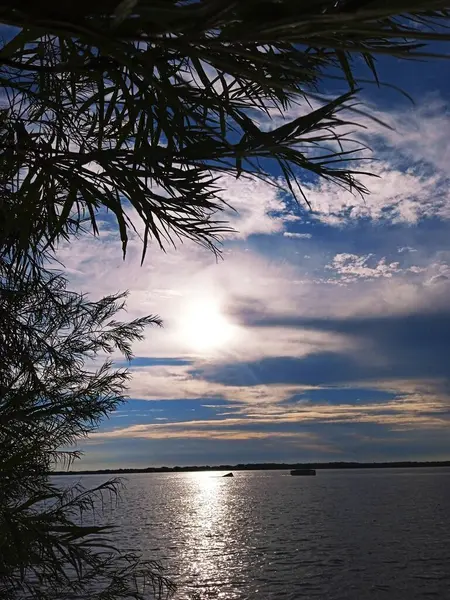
{"x": 396, "y": 196}
{"x": 413, "y": 346}
{"x": 258, "y": 207}
{"x": 180, "y": 383}
{"x": 406, "y": 249}
{"x": 408, "y": 182}
{"x": 208, "y": 430}
{"x": 420, "y": 133}
{"x": 297, "y": 236}
{"x": 352, "y": 267}
{"x": 402, "y": 412}
{"x": 411, "y": 182}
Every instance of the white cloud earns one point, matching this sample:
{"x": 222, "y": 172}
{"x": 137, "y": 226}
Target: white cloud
{"x": 258, "y": 206}
{"x": 176, "y": 383}
{"x": 351, "y": 267}
{"x": 420, "y": 133}
{"x": 395, "y": 196}
{"x": 412, "y": 410}
{"x": 411, "y": 180}
{"x": 298, "y": 236}
{"x": 195, "y": 430}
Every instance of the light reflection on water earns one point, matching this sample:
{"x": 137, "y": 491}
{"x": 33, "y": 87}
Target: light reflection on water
{"x": 358, "y": 535}
{"x": 209, "y": 509}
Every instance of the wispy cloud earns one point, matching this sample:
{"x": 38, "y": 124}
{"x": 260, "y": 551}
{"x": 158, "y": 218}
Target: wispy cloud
{"x": 351, "y": 267}
{"x": 297, "y": 236}
{"x": 396, "y": 196}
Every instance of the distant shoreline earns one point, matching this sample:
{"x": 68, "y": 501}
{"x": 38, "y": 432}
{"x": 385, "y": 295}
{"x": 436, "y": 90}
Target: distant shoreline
{"x": 262, "y": 467}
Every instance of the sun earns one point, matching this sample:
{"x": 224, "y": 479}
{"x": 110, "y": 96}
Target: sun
{"x": 205, "y": 328}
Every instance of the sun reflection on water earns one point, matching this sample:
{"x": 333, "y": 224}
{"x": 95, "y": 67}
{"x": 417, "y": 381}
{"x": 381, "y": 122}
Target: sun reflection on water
{"x": 209, "y": 535}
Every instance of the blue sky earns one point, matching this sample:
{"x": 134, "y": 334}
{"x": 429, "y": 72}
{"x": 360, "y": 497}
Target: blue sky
{"x": 322, "y": 335}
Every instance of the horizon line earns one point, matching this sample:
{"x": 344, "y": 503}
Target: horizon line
{"x": 266, "y": 466}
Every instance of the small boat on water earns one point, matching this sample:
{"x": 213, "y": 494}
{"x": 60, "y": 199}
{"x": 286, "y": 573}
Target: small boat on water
{"x": 228, "y": 475}
{"x": 303, "y": 472}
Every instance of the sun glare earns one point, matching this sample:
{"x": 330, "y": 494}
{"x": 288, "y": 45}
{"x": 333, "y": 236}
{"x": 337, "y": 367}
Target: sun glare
{"x": 205, "y": 328}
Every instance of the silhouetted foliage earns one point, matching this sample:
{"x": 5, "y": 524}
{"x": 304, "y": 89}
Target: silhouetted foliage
{"x": 148, "y": 103}
{"x": 55, "y": 386}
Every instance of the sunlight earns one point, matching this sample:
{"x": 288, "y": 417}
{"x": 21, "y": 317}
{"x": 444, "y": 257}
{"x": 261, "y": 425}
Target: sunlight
{"x": 209, "y": 487}
{"x": 209, "y": 536}
{"x": 205, "y": 328}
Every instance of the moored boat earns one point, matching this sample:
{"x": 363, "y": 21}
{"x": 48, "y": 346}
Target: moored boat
{"x": 303, "y": 472}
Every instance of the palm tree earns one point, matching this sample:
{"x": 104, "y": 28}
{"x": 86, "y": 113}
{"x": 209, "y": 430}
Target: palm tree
{"x": 147, "y": 103}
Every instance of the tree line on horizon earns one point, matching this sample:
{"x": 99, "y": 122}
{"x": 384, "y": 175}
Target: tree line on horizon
{"x": 264, "y": 467}
{"x": 137, "y": 109}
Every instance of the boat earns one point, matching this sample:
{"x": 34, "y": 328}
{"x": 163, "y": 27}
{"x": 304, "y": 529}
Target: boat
{"x": 303, "y": 472}
{"x": 228, "y": 475}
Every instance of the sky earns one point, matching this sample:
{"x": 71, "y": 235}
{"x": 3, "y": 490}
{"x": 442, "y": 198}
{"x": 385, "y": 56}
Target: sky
{"x": 321, "y": 335}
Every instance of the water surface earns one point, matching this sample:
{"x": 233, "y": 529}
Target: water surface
{"x": 356, "y": 534}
